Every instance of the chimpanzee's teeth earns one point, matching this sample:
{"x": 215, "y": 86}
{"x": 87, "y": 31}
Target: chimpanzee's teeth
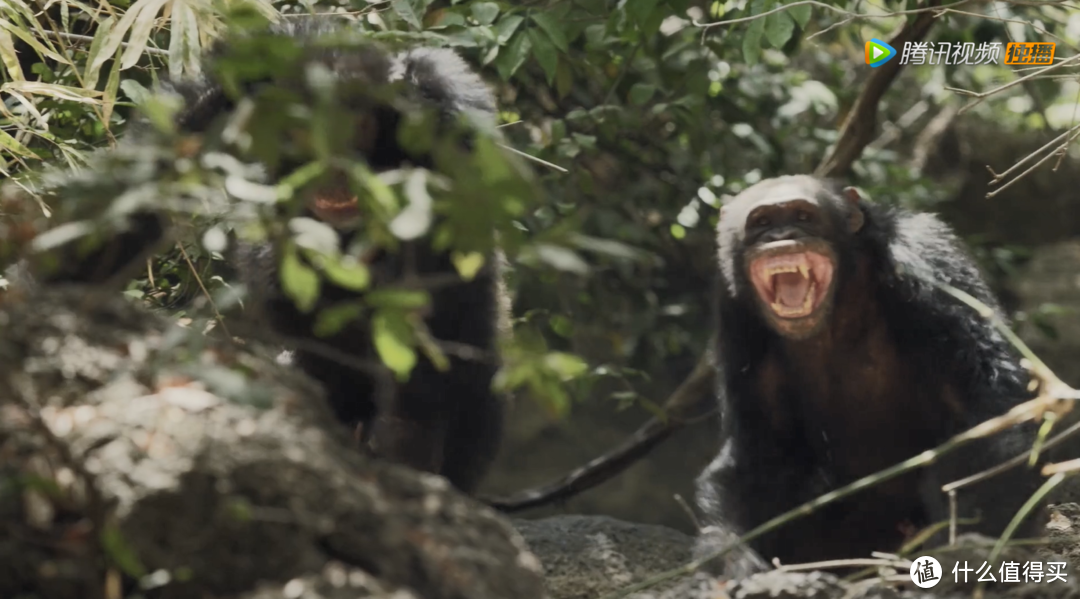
{"x": 802, "y": 269}
{"x": 806, "y": 308}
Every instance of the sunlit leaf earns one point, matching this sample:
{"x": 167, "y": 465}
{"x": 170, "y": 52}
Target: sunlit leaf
{"x": 393, "y": 342}
{"x": 299, "y": 282}
{"x": 347, "y": 273}
{"x": 8, "y": 56}
{"x": 506, "y": 28}
{"x": 485, "y": 12}
{"x": 415, "y": 219}
{"x": 400, "y": 299}
{"x": 567, "y": 366}
{"x": 561, "y": 258}
{"x": 60, "y": 92}
{"x": 468, "y": 265}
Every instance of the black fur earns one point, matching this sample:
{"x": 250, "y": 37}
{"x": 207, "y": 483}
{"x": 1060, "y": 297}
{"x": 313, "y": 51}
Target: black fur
{"x": 899, "y": 367}
{"x": 444, "y": 422}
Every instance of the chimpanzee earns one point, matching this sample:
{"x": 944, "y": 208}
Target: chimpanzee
{"x": 837, "y": 358}
{"x": 443, "y": 421}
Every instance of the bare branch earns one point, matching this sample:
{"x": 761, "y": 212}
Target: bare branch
{"x": 980, "y": 96}
{"x": 858, "y": 128}
{"x": 680, "y": 409}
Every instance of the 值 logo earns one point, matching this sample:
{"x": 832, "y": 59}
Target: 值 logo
{"x": 878, "y": 52}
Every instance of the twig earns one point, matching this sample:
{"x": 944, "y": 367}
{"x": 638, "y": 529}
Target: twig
{"x": 1065, "y": 467}
{"x": 1027, "y": 508}
{"x": 1043, "y": 160}
{"x": 844, "y": 563}
{"x": 830, "y": 28}
{"x": 952, "y": 487}
{"x": 998, "y": 177}
{"x": 689, "y": 511}
{"x": 979, "y": 96}
{"x": 533, "y": 158}
{"x": 678, "y": 408}
{"x": 205, "y": 291}
{"x": 945, "y": 11}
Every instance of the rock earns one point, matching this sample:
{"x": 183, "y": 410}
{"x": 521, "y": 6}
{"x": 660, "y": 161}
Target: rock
{"x": 585, "y": 557}
{"x": 209, "y": 471}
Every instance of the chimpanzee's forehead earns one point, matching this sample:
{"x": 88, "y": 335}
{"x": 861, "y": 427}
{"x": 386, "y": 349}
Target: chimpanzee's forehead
{"x": 780, "y": 189}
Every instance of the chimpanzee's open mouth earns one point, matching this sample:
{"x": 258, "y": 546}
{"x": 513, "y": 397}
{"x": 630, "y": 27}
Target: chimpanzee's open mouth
{"x": 791, "y": 277}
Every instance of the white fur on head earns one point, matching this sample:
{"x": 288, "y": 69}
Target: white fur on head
{"x": 443, "y": 77}
{"x": 732, "y": 226}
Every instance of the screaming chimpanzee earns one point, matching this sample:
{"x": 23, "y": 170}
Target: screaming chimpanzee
{"x": 837, "y": 358}
{"x": 448, "y": 422}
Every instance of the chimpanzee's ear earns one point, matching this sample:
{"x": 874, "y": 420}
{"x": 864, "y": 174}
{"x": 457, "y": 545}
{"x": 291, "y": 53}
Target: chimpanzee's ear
{"x": 855, "y": 218}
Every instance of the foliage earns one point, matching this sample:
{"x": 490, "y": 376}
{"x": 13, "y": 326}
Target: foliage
{"x": 654, "y": 117}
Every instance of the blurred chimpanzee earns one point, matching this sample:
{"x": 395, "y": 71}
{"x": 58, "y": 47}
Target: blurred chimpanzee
{"x": 838, "y": 358}
{"x": 448, "y": 422}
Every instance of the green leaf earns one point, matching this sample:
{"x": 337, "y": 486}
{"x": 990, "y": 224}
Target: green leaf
{"x": 9, "y": 57}
{"x": 801, "y": 14}
{"x": 640, "y": 10}
{"x": 404, "y": 9}
{"x": 485, "y": 12}
{"x": 333, "y": 319}
{"x": 778, "y": 28}
{"x": 347, "y": 273}
{"x": 506, "y": 28}
{"x": 299, "y": 282}
{"x": 511, "y": 59}
{"x": 567, "y": 366}
{"x": 120, "y": 552}
{"x": 393, "y": 342}
{"x": 545, "y": 53}
{"x": 401, "y": 299}
{"x": 563, "y": 326}
{"x": 468, "y": 264}
{"x": 751, "y": 44}
{"x": 641, "y": 93}
{"x": 553, "y": 30}
{"x": 564, "y": 79}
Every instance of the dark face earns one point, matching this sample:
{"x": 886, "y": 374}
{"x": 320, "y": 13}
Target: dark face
{"x": 789, "y": 234}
